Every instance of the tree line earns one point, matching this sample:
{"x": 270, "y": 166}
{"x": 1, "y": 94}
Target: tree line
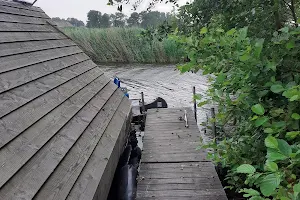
{"x": 144, "y": 19}
{"x": 73, "y": 21}
{"x": 96, "y": 19}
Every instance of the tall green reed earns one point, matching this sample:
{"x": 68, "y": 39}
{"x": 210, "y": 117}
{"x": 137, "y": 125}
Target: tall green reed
{"x": 124, "y": 45}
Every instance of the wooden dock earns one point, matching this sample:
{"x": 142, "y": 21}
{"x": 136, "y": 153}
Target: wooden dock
{"x": 172, "y": 168}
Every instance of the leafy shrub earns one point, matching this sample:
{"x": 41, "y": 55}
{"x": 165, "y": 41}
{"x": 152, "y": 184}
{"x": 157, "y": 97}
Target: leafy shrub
{"x": 256, "y": 85}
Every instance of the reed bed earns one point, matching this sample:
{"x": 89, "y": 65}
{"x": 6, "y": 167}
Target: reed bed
{"x": 124, "y": 45}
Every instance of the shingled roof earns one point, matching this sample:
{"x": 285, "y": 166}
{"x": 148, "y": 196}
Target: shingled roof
{"x": 62, "y": 122}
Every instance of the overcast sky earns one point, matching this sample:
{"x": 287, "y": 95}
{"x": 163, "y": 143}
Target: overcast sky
{"x": 79, "y": 8}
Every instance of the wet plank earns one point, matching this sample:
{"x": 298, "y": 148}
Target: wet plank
{"x": 37, "y": 135}
{"x": 172, "y": 167}
{"x": 11, "y": 37}
{"x": 20, "y": 6}
{"x": 62, "y": 180}
{"x": 95, "y": 180}
{"x": 15, "y": 78}
{"x": 13, "y": 99}
{"x": 22, "y": 60}
{"x": 21, "y": 19}
{"x": 17, "y": 27}
{"x": 34, "y": 173}
{"x": 22, "y": 12}
{"x": 16, "y": 122}
{"x": 8, "y": 49}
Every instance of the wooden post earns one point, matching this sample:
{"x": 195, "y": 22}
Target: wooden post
{"x": 143, "y": 103}
{"x": 195, "y": 103}
{"x": 213, "y": 126}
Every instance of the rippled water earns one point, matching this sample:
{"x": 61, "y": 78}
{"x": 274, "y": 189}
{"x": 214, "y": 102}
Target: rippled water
{"x": 161, "y": 81}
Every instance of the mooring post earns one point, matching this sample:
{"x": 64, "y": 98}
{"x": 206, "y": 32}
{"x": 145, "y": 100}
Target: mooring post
{"x": 143, "y": 103}
{"x": 213, "y": 126}
{"x": 195, "y": 103}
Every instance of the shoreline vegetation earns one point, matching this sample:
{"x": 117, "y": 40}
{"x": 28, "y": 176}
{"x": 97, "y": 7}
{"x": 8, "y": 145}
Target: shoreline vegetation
{"x": 124, "y": 45}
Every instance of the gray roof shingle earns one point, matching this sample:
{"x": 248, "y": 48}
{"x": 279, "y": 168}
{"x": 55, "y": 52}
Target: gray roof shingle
{"x": 62, "y": 122}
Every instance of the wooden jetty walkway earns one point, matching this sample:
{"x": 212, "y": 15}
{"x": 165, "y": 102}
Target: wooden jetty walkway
{"x": 172, "y": 168}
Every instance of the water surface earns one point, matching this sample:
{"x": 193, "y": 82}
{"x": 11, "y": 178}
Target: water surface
{"x": 161, "y": 81}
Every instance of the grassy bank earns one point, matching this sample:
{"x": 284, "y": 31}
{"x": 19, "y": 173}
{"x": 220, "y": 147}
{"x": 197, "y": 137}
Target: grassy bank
{"x": 124, "y": 45}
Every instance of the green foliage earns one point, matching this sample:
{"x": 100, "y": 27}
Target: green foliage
{"x": 262, "y": 17}
{"x": 124, "y": 45}
{"x": 258, "y": 109}
{"x": 256, "y": 85}
{"x": 255, "y": 81}
{"x": 246, "y": 169}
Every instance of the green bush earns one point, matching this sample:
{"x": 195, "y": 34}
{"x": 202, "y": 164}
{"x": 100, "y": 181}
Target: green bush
{"x": 124, "y": 45}
{"x": 256, "y": 85}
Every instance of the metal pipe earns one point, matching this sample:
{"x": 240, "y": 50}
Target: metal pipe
{"x": 34, "y": 2}
{"x": 195, "y": 103}
{"x": 143, "y": 103}
{"x": 186, "y": 119}
{"x": 213, "y": 127}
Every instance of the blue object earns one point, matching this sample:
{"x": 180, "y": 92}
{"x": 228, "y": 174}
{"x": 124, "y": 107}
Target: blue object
{"x": 117, "y": 82}
{"x": 127, "y": 95}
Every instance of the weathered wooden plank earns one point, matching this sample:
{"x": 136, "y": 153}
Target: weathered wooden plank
{"x": 16, "y": 122}
{"x": 164, "y": 115}
{"x": 165, "y": 127}
{"x": 204, "y": 197}
{"x": 191, "y": 151}
{"x": 26, "y": 183}
{"x": 21, "y": 19}
{"x": 157, "y": 131}
{"x": 174, "y": 135}
{"x": 201, "y": 194}
{"x": 17, "y": 27}
{"x": 175, "y": 149}
{"x": 15, "y": 78}
{"x": 62, "y": 180}
{"x": 169, "y": 126}
{"x": 95, "y": 180}
{"x": 22, "y": 60}
{"x": 170, "y": 175}
{"x": 6, "y": 37}
{"x": 176, "y": 186}
{"x": 167, "y": 166}
{"x": 31, "y": 140}
{"x": 173, "y": 142}
{"x": 208, "y": 181}
{"x": 22, "y": 12}
{"x": 168, "y": 111}
{"x": 170, "y": 119}
{"x": 18, "y": 5}
{"x": 194, "y": 143}
{"x": 13, "y": 99}
{"x": 175, "y": 138}
{"x": 171, "y": 167}
{"x": 7, "y": 49}
{"x": 174, "y": 157}
{"x": 168, "y": 131}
